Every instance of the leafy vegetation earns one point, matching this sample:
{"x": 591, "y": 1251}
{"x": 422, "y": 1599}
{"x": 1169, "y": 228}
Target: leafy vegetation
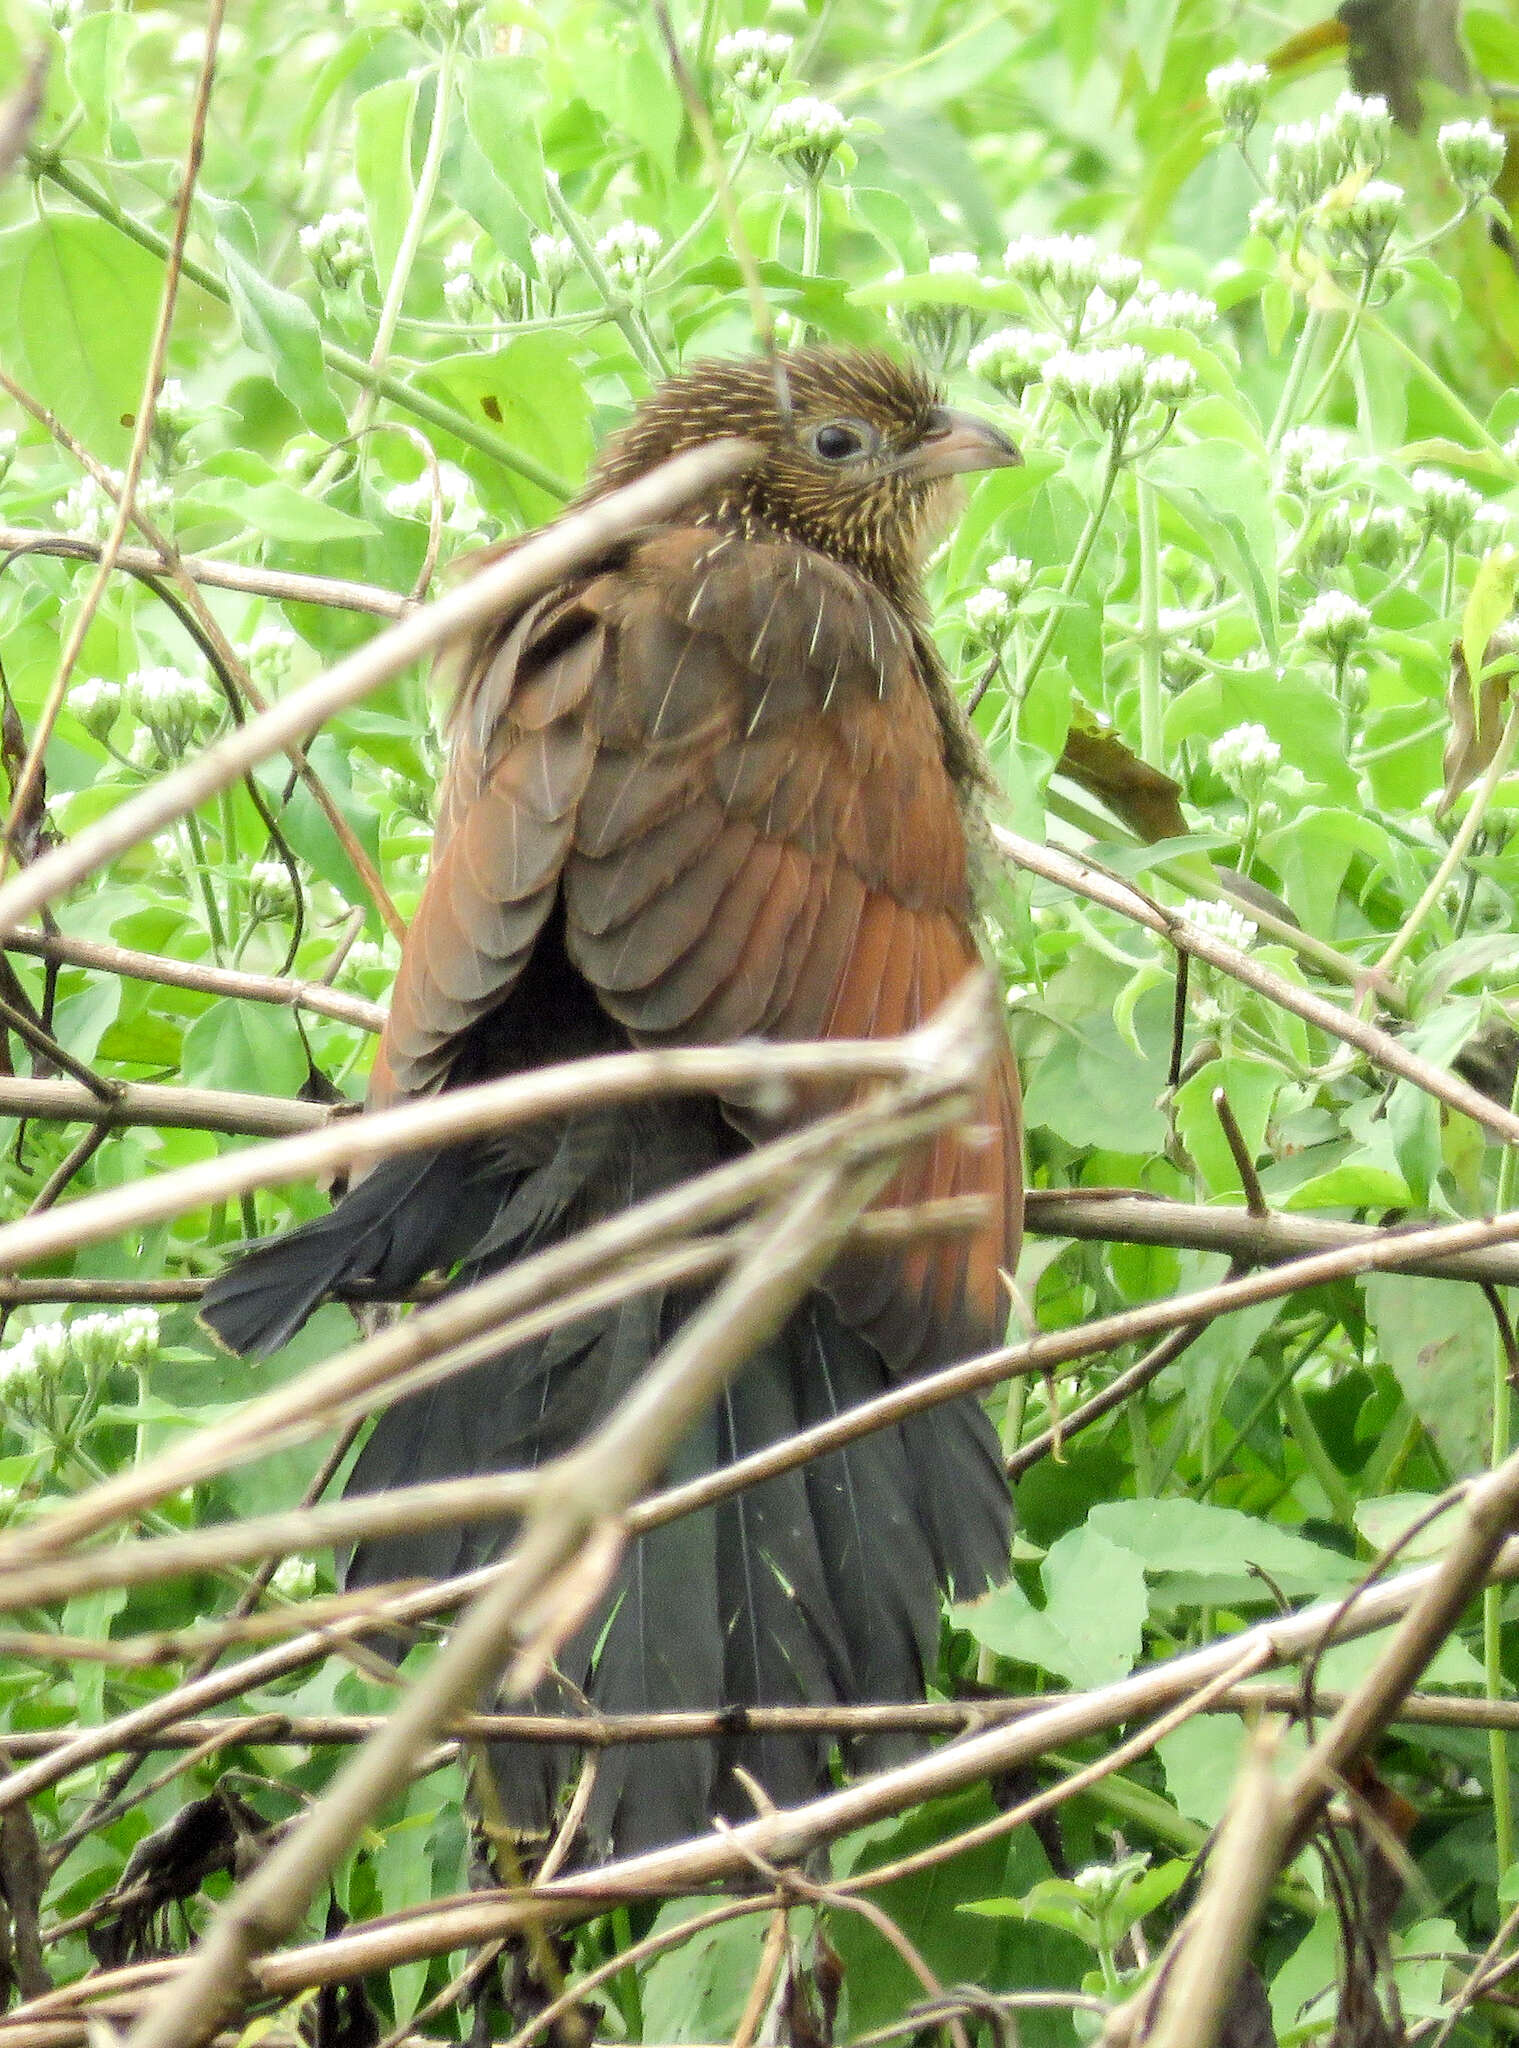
{"x": 1238, "y": 626}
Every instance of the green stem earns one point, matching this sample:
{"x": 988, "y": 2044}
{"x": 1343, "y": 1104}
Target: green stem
{"x": 812, "y": 226}
{"x": 635, "y": 329}
{"x": 1331, "y": 1480}
{"x": 411, "y": 238}
{"x": 1073, "y": 573}
{"x": 1374, "y": 324}
{"x": 202, "y": 869}
{"x": 1297, "y": 370}
{"x": 446, "y": 418}
{"x": 1456, "y": 852}
{"x": 1268, "y": 1399}
{"x": 1151, "y": 700}
{"x": 1342, "y": 348}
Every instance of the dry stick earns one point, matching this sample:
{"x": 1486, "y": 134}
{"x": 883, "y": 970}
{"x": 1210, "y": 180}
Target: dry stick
{"x": 201, "y": 976}
{"x": 454, "y": 1924}
{"x": 213, "y": 1732}
{"x": 561, "y": 1562}
{"x": 325, "y": 1392}
{"x": 1379, "y": 1046}
{"x": 1206, "y": 1954}
{"x": 280, "y": 585}
{"x": 27, "y": 781}
{"x": 789, "y": 1835}
{"x": 1106, "y": 1215}
{"x": 149, "y": 1103}
{"x": 497, "y": 588}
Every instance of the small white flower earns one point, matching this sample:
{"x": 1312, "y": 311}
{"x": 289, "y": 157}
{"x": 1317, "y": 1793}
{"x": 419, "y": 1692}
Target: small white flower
{"x": 1492, "y": 526}
{"x": 1331, "y": 538}
{"x": 1270, "y": 218}
{"x": 1013, "y": 575}
{"x": 1313, "y": 459}
{"x": 1335, "y": 624}
{"x": 1363, "y": 223}
{"x": 173, "y": 415}
{"x": 87, "y": 509}
{"x": 269, "y": 653}
{"x": 137, "y": 1334}
{"x": 1012, "y": 359}
{"x": 337, "y": 247}
{"x": 1151, "y": 307}
{"x": 1237, "y": 92}
{"x": 628, "y": 252}
{"x": 365, "y": 957}
{"x": 1029, "y": 260}
{"x": 1360, "y": 126}
{"x": 177, "y": 709}
{"x": 989, "y": 615}
{"x": 753, "y": 60}
{"x": 1242, "y": 752}
{"x": 806, "y": 133}
{"x": 1109, "y": 383}
{"x": 1473, "y": 152}
{"x": 461, "y": 514}
{"x": 271, "y": 890}
{"x": 8, "y": 446}
{"x": 1119, "y": 277}
{"x": 1445, "y": 504}
{"x": 1170, "y": 380}
{"x": 1296, "y": 172}
{"x": 294, "y": 1578}
{"x": 96, "y": 704}
{"x": 1219, "y": 921}
{"x": 554, "y": 261}
{"x": 955, "y": 263}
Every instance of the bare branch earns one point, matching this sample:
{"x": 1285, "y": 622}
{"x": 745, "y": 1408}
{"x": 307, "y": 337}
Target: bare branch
{"x": 281, "y": 586}
{"x": 146, "y": 1103}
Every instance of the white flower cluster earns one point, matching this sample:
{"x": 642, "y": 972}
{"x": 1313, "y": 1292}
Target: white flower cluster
{"x": 43, "y": 1353}
{"x": 96, "y": 704}
{"x": 753, "y": 60}
{"x": 1013, "y": 575}
{"x": 337, "y": 247}
{"x": 628, "y": 252}
{"x": 1445, "y": 504}
{"x": 1361, "y": 222}
{"x": 293, "y": 1578}
{"x": 1335, "y": 624}
{"x": 989, "y": 615}
{"x": 173, "y": 415}
{"x": 1387, "y": 536}
{"x": 1112, "y": 383}
{"x": 1244, "y": 756}
{"x": 1153, "y": 307}
{"x": 460, "y": 511}
{"x": 554, "y": 262}
{"x": 271, "y": 890}
{"x": 177, "y": 709}
{"x": 1313, "y": 459}
{"x": 1308, "y": 157}
{"x": 1072, "y": 266}
{"x": 806, "y": 133}
{"x": 86, "y": 509}
{"x": 1012, "y": 359}
{"x": 269, "y": 653}
{"x": 9, "y": 442}
{"x": 1219, "y": 921}
{"x": 1473, "y": 153}
{"x": 1237, "y": 93}
{"x": 366, "y": 956}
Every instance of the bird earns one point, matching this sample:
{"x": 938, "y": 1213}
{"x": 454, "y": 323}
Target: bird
{"x": 714, "y": 785}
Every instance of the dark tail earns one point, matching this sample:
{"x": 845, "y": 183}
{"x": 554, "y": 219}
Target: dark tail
{"x": 821, "y": 1586}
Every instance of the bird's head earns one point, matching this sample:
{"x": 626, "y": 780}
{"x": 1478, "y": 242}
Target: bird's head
{"x": 859, "y": 451}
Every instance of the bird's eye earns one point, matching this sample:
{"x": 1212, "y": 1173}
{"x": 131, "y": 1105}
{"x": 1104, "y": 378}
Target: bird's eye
{"x": 837, "y": 440}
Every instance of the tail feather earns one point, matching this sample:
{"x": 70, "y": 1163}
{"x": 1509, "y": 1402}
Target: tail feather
{"x": 820, "y": 1585}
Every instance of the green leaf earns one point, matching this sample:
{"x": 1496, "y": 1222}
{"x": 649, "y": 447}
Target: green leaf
{"x": 1196, "y": 1537}
{"x": 77, "y": 315}
{"x": 1250, "y": 1086}
{"x": 281, "y": 512}
{"x": 501, "y": 100}
{"x": 1091, "y": 1626}
{"x": 1489, "y": 604}
{"x": 383, "y": 119}
{"x": 1438, "y": 1337}
{"x": 245, "y": 1046}
{"x": 277, "y": 326}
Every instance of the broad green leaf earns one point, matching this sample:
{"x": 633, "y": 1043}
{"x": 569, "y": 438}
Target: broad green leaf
{"x": 382, "y": 131}
{"x": 1438, "y": 1337}
{"x": 1197, "y": 1537}
{"x": 277, "y": 326}
{"x": 248, "y": 1047}
{"x": 77, "y": 311}
{"x": 501, "y": 101}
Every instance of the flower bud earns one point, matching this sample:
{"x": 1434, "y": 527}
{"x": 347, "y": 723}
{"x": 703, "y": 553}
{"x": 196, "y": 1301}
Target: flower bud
{"x": 1237, "y": 92}
{"x": 1012, "y": 359}
{"x": 1335, "y": 624}
{"x": 1473, "y": 152}
{"x": 805, "y": 134}
{"x": 628, "y": 252}
{"x": 1445, "y": 504}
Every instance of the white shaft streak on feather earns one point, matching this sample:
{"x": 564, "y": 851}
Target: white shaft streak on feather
{"x": 833, "y": 684}
{"x": 664, "y": 702}
{"x": 759, "y": 638}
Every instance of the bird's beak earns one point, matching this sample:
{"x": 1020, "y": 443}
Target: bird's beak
{"x": 961, "y": 441}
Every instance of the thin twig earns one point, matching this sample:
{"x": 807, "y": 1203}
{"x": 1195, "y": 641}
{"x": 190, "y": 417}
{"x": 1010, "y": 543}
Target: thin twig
{"x": 280, "y": 586}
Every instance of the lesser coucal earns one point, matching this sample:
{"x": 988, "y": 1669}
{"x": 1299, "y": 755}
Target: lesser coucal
{"x": 714, "y": 785}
